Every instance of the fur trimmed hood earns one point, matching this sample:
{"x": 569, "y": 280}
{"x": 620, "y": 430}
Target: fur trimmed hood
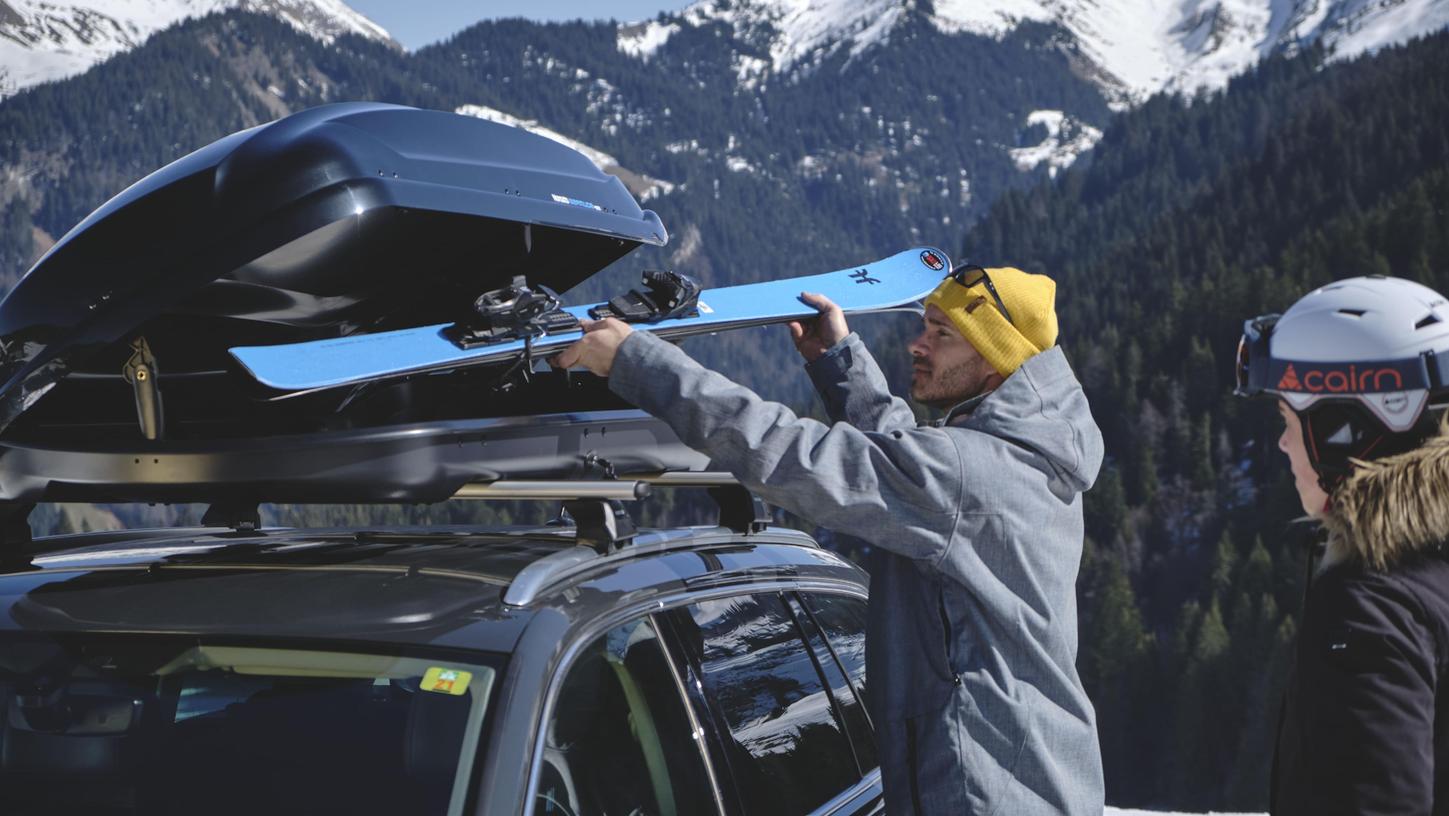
{"x": 1393, "y": 507}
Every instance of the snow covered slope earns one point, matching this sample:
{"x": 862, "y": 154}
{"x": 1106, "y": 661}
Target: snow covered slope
{"x": 1138, "y": 46}
{"x": 1066, "y": 139}
{"x": 41, "y": 41}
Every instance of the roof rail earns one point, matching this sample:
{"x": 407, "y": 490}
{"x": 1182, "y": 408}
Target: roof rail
{"x": 566, "y": 565}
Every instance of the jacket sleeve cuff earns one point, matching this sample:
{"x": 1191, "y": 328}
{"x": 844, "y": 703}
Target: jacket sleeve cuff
{"x": 834, "y": 365}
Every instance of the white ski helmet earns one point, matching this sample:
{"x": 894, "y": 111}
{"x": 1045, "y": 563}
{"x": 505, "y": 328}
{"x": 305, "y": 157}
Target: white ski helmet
{"x": 1360, "y": 361}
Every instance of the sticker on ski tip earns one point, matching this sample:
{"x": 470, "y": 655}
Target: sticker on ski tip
{"x": 446, "y": 681}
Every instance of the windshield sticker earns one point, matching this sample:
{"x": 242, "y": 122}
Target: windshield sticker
{"x": 446, "y": 681}
{"x": 577, "y": 202}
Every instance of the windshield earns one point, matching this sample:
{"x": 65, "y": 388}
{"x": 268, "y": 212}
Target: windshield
{"x": 117, "y": 725}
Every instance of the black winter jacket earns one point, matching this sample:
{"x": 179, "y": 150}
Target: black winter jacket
{"x": 1361, "y": 729}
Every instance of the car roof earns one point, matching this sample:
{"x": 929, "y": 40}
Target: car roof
{"x": 450, "y": 587}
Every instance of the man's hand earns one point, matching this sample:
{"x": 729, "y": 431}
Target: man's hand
{"x": 816, "y": 336}
{"x": 596, "y": 349}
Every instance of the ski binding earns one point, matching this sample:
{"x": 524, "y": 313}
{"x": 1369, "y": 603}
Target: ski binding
{"x": 514, "y": 312}
{"x": 669, "y": 295}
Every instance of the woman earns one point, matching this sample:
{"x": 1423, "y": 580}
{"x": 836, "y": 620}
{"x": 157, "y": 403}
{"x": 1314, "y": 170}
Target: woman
{"x": 1361, "y": 372}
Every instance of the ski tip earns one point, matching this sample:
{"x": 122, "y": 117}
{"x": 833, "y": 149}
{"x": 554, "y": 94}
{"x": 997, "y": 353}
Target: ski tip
{"x": 933, "y": 259}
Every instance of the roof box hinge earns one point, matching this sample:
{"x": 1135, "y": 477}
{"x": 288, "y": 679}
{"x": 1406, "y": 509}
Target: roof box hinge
{"x": 140, "y": 371}
{"x": 603, "y": 525}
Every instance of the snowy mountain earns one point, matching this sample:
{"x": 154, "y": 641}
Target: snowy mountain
{"x": 1066, "y": 139}
{"x": 42, "y": 41}
{"x": 1132, "y": 48}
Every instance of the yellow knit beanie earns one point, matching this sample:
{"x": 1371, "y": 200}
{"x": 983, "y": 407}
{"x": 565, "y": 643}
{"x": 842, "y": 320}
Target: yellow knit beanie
{"x": 1031, "y": 300}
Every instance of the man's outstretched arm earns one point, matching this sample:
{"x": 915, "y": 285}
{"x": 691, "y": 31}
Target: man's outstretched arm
{"x": 899, "y": 490}
{"x": 844, "y": 372}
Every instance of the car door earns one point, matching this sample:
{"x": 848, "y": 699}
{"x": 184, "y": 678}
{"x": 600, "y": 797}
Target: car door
{"x": 619, "y": 738}
{"x": 834, "y": 625}
{"x": 780, "y": 730}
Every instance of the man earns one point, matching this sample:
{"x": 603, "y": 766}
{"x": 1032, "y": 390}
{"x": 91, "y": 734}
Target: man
{"x": 972, "y": 634}
{"x": 1360, "y": 369}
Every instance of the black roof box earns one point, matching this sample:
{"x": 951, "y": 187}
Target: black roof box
{"x": 345, "y": 217}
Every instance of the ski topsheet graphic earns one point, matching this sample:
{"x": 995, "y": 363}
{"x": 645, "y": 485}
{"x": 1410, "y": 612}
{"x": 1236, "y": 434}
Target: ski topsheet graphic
{"x": 517, "y": 320}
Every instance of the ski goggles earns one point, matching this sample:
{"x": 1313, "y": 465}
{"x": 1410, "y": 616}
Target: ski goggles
{"x": 963, "y": 275}
{"x": 1253, "y": 356}
{"x": 1258, "y": 371}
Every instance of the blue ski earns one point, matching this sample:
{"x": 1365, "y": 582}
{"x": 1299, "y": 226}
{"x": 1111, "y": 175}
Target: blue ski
{"x": 902, "y": 278}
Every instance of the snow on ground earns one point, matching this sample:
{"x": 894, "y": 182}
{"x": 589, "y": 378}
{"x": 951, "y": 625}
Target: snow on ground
{"x": 641, "y": 40}
{"x": 798, "y": 28}
{"x": 737, "y": 164}
{"x": 990, "y": 17}
{"x": 1360, "y": 26}
{"x": 1057, "y": 150}
{"x": 1138, "y": 47}
{"x": 645, "y": 187}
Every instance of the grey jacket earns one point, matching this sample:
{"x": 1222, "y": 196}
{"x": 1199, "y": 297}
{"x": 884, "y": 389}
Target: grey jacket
{"x": 972, "y": 638}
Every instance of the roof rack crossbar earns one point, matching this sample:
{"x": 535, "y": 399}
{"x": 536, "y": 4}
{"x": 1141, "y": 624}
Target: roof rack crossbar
{"x": 560, "y": 490}
{"x": 688, "y": 478}
{"x": 739, "y": 510}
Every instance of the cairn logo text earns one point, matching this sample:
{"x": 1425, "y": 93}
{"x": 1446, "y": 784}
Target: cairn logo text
{"x": 1341, "y": 380}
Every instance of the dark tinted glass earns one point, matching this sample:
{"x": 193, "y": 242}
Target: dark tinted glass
{"x": 843, "y": 619}
{"x": 620, "y": 740}
{"x": 783, "y": 743}
{"x": 163, "y": 725}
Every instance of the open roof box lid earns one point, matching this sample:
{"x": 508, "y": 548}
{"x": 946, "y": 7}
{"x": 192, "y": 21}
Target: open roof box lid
{"x": 344, "y": 218}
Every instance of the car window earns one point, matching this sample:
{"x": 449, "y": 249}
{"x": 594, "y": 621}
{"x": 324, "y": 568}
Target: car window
{"x": 169, "y": 725}
{"x": 843, "y": 618}
{"x": 781, "y": 737}
{"x": 620, "y": 740}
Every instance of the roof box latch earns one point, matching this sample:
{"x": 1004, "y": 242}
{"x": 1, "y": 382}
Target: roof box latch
{"x": 669, "y": 295}
{"x": 603, "y": 525}
{"x": 515, "y": 312}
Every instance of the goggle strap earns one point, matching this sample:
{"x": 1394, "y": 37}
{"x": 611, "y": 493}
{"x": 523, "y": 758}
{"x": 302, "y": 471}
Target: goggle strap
{"x": 1437, "y": 367}
{"x": 1330, "y": 379}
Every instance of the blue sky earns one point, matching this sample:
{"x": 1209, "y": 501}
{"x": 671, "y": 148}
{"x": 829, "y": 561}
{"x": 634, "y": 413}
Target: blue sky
{"x": 416, "y": 23}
